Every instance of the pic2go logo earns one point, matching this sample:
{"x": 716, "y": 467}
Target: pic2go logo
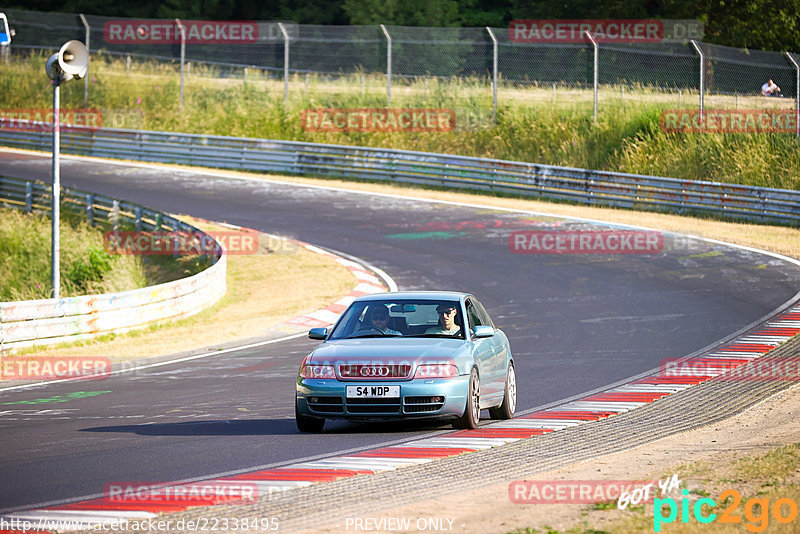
{"x": 756, "y": 511}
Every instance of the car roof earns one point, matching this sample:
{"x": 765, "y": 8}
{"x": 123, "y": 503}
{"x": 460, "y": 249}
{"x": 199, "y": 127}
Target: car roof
{"x": 427, "y": 295}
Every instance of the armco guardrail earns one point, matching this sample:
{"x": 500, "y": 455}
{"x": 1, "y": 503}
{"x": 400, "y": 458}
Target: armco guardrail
{"x": 47, "y": 321}
{"x": 531, "y": 179}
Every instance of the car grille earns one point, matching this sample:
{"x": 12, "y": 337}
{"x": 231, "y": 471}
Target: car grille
{"x": 419, "y": 404}
{"x": 325, "y": 404}
{"x": 365, "y": 406}
{"x": 357, "y": 371}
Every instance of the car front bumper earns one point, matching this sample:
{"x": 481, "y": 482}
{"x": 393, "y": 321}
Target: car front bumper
{"x": 417, "y": 400}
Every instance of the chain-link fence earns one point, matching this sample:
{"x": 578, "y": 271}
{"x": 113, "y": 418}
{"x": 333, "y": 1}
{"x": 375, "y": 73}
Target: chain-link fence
{"x": 483, "y": 56}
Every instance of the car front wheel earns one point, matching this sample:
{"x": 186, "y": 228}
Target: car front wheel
{"x": 506, "y": 410}
{"x": 472, "y": 412}
{"x": 307, "y": 423}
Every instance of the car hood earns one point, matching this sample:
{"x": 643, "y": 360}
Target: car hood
{"x": 388, "y": 350}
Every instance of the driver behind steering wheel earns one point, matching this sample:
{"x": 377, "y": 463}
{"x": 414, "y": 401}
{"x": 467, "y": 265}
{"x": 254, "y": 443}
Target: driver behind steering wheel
{"x": 379, "y": 317}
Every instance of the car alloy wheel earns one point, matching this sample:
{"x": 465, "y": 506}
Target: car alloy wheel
{"x": 472, "y": 411}
{"x": 509, "y": 406}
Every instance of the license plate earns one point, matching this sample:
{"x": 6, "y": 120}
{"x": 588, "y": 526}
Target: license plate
{"x": 372, "y": 392}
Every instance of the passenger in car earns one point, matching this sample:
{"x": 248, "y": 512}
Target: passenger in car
{"x": 447, "y": 321}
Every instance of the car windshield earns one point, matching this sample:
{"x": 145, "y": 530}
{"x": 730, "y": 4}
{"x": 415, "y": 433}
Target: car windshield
{"x": 401, "y": 318}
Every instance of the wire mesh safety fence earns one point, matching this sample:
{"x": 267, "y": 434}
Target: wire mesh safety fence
{"x": 410, "y": 54}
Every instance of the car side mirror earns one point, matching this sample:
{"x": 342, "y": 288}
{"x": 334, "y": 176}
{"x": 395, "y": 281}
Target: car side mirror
{"x": 318, "y": 333}
{"x": 484, "y": 331}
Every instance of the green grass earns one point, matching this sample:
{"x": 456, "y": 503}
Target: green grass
{"x": 86, "y": 268}
{"x": 529, "y": 126}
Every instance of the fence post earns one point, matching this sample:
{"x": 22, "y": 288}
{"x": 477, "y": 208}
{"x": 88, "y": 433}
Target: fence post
{"x": 796, "y": 93}
{"x": 28, "y": 197}
{"x": 596, "y": 72}
{"x": 183, "y": 57}
{"x": 702, "y": 79}
{"x": 90, "y": 209}
{"x": 115, "y": 215}
{"x": 494, "y": 71}
{"x": 86, "y": 77}
{"x": 282, "y": 28}
{"x": 388, "y": 66}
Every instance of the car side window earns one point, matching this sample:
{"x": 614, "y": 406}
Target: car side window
{"x": 472, "y": 316}
{"x": 483, "y": 314}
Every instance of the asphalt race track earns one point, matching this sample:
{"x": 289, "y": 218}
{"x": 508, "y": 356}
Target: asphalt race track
{"x": 576, "y": 322}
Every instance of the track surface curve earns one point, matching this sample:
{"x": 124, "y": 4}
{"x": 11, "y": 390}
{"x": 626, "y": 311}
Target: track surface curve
{"x": 575, "y": 322}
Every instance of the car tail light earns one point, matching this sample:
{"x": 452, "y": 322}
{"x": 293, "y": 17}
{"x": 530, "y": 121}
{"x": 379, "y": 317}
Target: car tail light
{"x": 317, "y": 371}
{"x": 436, "y": 370}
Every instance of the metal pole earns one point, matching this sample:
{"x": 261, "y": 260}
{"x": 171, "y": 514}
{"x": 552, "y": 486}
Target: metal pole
{"x": 388, "y": 66}
{"x": 285, "y": 61}
{"x": 702, "y": 79}
{"x": 86, "y": 77}
{"x": 494, "y": 71}
{"x": 183, "y": 57}
{"x": 796, "y": 93}
{"x": 596, "y": 71}
{"x": 55, "y": 242}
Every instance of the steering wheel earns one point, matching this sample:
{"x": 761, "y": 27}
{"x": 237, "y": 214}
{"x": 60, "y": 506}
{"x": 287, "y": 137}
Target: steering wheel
{"x": 370, "y": 329}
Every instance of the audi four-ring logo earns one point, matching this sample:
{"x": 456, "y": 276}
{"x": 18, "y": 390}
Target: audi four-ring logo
{"x": 374, "y": 371}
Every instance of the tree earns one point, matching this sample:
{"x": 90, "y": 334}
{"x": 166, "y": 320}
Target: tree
{"x": 403, "y": 12}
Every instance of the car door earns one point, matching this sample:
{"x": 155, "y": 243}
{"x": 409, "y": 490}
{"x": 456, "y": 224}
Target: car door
{"x": 484, "y": 351}
{"x": 499, "y": 355}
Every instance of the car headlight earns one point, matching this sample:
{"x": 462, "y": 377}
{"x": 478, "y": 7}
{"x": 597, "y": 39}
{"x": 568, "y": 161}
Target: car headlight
{"x": 436, "y": 370}
{"x": 317, "y": 371}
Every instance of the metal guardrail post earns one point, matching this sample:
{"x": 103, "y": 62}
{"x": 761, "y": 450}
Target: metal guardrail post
{"x": 90, "y": 209}
{"x": 182, "y": 29}
{"x": 596, "y": 72}
{"x": 796, "y": 93}
{"x": 115, "y": 215}
{"x": 28, "y": 196}
{"x": 138, "y": 218}
{"x": 388, "y": 66}
{"x": 285, "y": 61}
{"x": 702, "y": 79}
{"x": 494, "y": 71}
{"x": 86, "y": 76}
